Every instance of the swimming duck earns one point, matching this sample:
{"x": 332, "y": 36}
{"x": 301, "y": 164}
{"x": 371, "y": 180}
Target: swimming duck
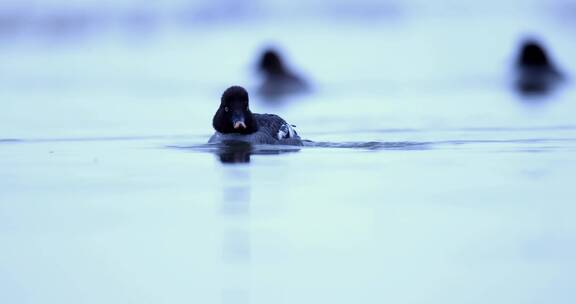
{"x": 277, "y": 79}
{"x": 234, "y": 121}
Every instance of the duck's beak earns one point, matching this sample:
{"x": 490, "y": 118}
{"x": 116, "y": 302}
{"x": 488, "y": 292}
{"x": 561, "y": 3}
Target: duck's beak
{"x": 238, "y": 122}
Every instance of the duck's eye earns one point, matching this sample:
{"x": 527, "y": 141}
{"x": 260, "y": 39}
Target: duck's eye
{"x": 226, "y": 109}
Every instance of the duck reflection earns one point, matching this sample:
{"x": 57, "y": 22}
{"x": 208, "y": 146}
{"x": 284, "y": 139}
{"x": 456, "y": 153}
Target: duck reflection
{"x": 234, "y": 153}
{"x": 235, "y": 211}
{"x": 239, "y": 152}
{"x": 536, "y": 74}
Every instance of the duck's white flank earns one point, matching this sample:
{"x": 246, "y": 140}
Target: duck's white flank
{"x": 286, "y": 131}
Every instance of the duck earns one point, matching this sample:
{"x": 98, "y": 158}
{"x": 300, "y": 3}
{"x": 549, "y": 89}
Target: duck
{"x": 277, "y": 79}
{"x": 535, "y": 71}
{"x": 234, "y": 122}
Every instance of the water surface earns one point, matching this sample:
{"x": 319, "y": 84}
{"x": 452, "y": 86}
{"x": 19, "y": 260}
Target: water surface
{"x": 425, "y": 178}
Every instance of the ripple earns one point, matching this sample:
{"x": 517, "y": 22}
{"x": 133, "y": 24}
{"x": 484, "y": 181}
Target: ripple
{"x": 95, "y": 139}
{"x": 370, "y": 145}
{"x": 243, "y": 148}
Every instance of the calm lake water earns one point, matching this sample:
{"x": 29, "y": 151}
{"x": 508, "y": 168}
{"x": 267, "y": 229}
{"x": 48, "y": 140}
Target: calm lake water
{"x": 426, "y": 178}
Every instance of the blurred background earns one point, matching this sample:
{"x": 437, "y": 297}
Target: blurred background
{"x": 79, "y": 68}
{"x": 430, "y": 177}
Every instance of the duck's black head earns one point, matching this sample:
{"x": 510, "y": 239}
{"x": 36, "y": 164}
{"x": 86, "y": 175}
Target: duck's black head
{"x": 233, "y": 115}
{"x": 271, "y": 63}
{"x": 533, "y": 54}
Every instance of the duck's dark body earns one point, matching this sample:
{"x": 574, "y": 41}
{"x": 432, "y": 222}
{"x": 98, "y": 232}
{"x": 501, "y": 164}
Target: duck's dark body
{"x": 537, "y": 80}
{"x": 271, "y": 130}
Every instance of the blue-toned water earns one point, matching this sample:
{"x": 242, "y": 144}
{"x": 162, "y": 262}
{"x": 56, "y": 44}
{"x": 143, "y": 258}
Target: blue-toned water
{"x": 424, "y": 177}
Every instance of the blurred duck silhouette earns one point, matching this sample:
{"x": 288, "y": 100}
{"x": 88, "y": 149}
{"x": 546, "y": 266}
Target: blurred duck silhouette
{"x": 535, "y": 72}
{"x": 277, "y": 79}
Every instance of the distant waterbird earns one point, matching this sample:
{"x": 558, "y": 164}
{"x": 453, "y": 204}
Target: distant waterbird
{"x": 535, "y": 71}
{"x": 277, "y": 79}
